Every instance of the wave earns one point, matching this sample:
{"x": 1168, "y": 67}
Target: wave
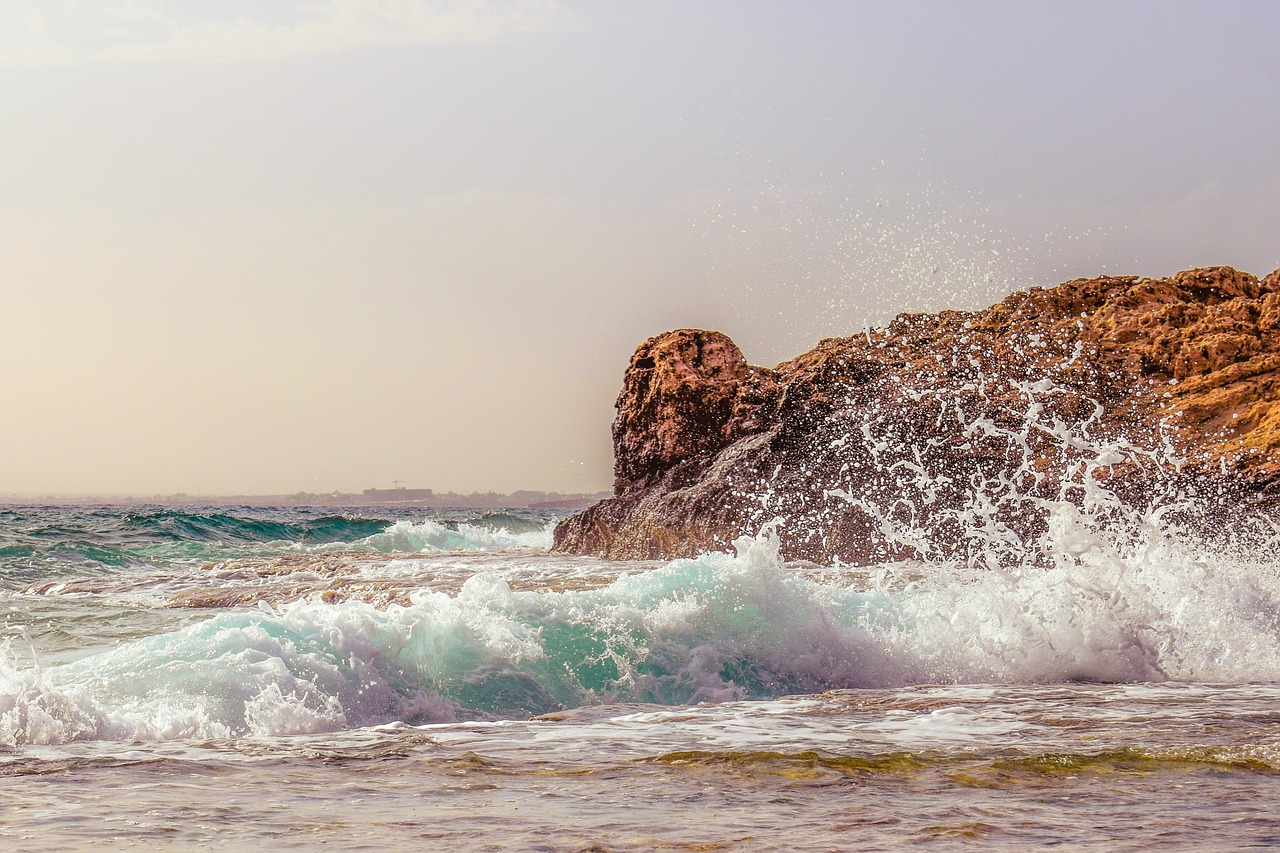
{"x": 221, "y": 527}
{"x": 61, "y": 542}
{"x": 720, "y": 627}
{"x": 487, "y": 533}
{"x": 508, "y": 522}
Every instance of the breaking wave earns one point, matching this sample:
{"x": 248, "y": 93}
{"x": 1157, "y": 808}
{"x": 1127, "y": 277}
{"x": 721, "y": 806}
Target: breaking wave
{"x": 459, "y": 536}
{"x": 719, "y": 627}
{"x": 61, "y": 541}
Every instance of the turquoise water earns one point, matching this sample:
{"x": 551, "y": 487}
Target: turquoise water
{"x": 247, "y": 677}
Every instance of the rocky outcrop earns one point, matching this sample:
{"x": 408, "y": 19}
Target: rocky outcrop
{"x": 874, "y": 446}
{"x": 687, "y": 394}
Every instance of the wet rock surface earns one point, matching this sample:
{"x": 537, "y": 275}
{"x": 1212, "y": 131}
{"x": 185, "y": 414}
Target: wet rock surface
{"x": 1150, "y": 386}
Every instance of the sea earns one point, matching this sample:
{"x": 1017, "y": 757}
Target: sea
{"x": 399, "y": 678}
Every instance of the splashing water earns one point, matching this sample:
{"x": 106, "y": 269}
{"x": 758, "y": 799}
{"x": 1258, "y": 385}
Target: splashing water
{"x": 929, "y": 693}
{"x": 830, "y": 258}
{"x": 433, "y": 536}
{"x": 719, "y": 627}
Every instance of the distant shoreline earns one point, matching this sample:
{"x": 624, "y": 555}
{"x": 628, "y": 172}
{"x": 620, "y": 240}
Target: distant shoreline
{"x": 370, "y": 498}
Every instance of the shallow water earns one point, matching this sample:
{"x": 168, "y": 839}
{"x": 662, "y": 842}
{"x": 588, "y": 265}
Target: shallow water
{"x": 235, "y": 679}
{"x": 1087, "y": 766}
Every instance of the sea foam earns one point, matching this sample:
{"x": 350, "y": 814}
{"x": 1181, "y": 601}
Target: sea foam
{"x": 721, "y": 626}
{"x": 431, "y": 535}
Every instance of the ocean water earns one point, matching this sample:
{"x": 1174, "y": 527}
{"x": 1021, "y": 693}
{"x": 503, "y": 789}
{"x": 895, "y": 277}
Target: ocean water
{"x": 272, "y": 679}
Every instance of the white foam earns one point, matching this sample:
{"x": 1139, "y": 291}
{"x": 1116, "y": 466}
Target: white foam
{"x": 723, "y": 626}
{"x": 407, "y": 536}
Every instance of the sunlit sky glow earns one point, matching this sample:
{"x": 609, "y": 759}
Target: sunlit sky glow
{"x": 263, "y": 247}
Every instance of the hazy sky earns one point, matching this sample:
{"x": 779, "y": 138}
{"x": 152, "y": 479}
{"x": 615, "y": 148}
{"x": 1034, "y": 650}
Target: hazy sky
{"x": 266, "y": 246}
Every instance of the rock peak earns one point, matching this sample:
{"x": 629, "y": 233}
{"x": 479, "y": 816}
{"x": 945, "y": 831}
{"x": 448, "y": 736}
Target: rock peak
{"x": 686, "y": 394}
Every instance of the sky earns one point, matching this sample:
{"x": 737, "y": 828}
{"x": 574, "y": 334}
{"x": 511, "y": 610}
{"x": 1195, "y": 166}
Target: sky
{"x": 266, "y": 246}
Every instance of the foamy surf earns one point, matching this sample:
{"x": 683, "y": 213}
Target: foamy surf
{"x": 428, "y": 535}
{"x": 1115, "y": 657}
{"x": 721, "y": 627}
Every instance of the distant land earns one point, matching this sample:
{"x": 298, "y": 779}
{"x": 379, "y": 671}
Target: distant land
{"x": 525, "y": 499}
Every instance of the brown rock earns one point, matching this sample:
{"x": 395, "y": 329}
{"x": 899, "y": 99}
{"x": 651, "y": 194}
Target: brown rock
{"x": 686, "y": 393}
{"x": 894, "y": 427}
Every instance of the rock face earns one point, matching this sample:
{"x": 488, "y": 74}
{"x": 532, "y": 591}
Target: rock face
{"x": 687, "y": 394}
{"x": 869, "y": 446}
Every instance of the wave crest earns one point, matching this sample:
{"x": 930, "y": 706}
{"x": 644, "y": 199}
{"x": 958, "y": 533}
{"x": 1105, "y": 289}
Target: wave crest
{"x": 719, "y": 627}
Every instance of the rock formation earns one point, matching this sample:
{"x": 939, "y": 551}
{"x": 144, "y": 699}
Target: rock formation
{"x": 1145, "y": 384}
